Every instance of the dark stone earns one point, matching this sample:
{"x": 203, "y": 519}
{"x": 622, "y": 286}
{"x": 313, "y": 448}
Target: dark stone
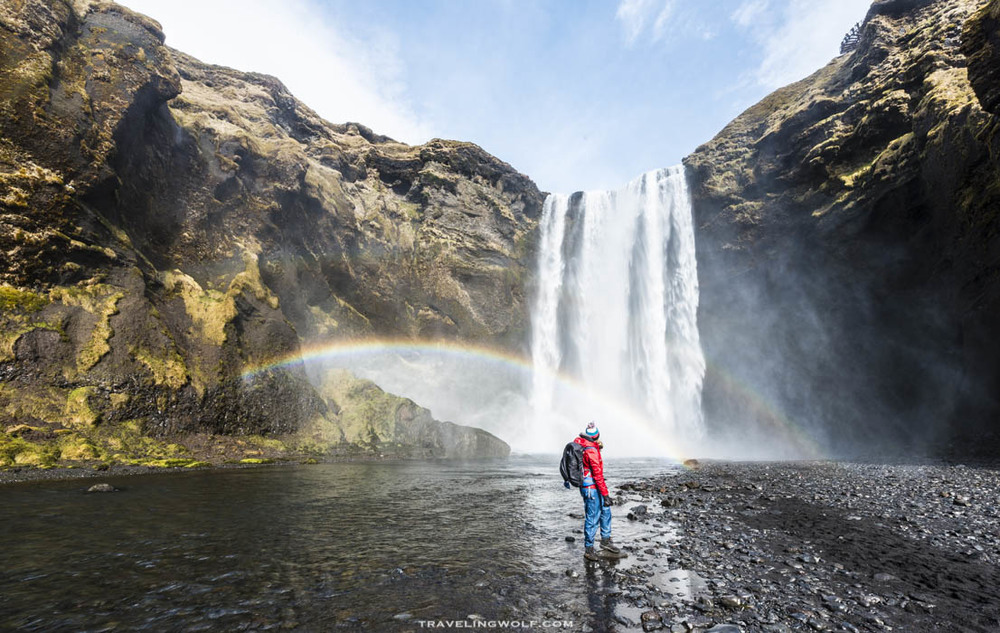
{"x": 725, "y": 628}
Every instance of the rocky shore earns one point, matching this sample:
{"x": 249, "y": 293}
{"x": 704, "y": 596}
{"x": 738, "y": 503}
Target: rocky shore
{"x": 818, "y": 546}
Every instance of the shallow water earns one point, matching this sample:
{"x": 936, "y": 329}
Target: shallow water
{"x": 374, "y": 546}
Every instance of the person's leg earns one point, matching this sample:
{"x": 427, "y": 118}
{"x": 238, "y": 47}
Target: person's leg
{"x": 592, "y": 512}
{"x": 605, "y": 522}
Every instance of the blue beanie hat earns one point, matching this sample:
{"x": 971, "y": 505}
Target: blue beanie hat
{"x": 591, "y": 432}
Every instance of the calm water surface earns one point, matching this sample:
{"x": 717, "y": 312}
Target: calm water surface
{"x": 367, "y": 546}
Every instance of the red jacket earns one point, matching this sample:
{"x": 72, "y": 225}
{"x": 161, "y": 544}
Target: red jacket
{"x": 593, "y": 465}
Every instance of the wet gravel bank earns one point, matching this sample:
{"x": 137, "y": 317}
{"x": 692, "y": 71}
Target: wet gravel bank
{"x": 819, "y": 547}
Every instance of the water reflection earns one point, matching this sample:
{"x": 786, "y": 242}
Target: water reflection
{"x": 373, "y": 546}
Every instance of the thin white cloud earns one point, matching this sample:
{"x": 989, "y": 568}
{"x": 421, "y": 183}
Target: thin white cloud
{"x": 749, "y": 12}
{"x": 802, "y": 37}
{"x": 663, "y": 20}
{"x": 342, "y": 79}
{"x": 638, "y": 15}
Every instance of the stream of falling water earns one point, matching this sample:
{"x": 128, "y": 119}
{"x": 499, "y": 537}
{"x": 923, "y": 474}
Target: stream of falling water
{"x": 616, "y": 310}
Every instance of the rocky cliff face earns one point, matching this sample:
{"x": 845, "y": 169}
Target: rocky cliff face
{"x": 167, "y": 226}
{"x": 847, "y": 243}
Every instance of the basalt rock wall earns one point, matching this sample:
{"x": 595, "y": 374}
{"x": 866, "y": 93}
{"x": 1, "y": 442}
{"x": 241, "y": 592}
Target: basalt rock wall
{"x": 848, "y": 248}
{"x": 167, "y": 226}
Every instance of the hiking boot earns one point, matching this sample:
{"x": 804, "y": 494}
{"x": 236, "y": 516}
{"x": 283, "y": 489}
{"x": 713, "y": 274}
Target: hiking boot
{"x": 608, "y": 544}
{"x": 591, "y": 554}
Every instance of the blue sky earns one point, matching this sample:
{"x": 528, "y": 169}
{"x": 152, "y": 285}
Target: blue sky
{"x": 577, "y": 94}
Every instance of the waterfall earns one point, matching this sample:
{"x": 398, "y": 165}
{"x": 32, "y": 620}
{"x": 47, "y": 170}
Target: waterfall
{"x": 616, "y": 310}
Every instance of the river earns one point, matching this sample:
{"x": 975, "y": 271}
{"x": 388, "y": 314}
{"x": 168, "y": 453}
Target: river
{"x": 360, "y": 546}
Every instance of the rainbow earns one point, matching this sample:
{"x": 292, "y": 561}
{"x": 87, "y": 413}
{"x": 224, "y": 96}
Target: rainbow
{"x": 489, "y": 356}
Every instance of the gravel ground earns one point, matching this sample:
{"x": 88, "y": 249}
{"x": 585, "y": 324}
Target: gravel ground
{"x": 819, "y": 546}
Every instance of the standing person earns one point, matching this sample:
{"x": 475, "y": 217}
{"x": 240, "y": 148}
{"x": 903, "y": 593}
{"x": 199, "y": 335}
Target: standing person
{"x": 596, "y": 501}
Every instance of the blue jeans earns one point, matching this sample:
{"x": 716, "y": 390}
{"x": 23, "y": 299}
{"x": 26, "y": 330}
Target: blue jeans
{"x": 594, "y": 511}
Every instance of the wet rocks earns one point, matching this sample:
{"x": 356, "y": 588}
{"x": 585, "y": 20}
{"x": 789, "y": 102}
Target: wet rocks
{"x": 102, "y": 488}
{"x": 637, "y": 512}
{"x": 820, "y": 547}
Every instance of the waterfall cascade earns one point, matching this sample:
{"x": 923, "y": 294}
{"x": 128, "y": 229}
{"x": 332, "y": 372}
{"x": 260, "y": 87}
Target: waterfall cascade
{"x": 616, "y": 310}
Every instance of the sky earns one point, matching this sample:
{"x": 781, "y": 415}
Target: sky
{"x": 577, "y": 94}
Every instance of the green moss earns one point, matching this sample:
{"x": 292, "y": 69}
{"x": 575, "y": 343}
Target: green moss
{"x": 256, "y": 460}
{"x": 77, "y": 448}
{"x": 101, "y": 300}
{"x": 128, "y": 441}
{"x": 119, "y": 400}
{"x": 432, "y": 175}
{"x": 13, "y": 327}
{"x": 21, "y": 300}
{"x": 210, "y": 310}
{"x": 197, "y": 464}
{"x": 19, "y": 315}
{"x": 167, "y": 368}
{"x": 250, "y": 281}
{"x": 79, "y": 413}
{"x": 17, "y": 451}
{"x": 323, "y": 322}
{"x": 35, "y": 402}
{"x": 410, "y": 210}
{"x": 267, "y": 443}
{"x": 367, "y": 414}
{"x": 174, "y": 462}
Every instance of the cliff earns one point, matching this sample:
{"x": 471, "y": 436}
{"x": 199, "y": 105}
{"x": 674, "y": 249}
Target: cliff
{"x": 168, "y": 226}
{"x": 848, "y": 251}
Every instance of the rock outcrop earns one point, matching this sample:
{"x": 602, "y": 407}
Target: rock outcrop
{"x": 370, "y": 417}
{"x": 167, "y": 226}
{"x": 981, "y": 45}
{"x": 847, "y": 239}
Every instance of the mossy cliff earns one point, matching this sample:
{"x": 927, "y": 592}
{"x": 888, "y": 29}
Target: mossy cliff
{"x": 167, "y": 226}
{"x": 848, "y": 246}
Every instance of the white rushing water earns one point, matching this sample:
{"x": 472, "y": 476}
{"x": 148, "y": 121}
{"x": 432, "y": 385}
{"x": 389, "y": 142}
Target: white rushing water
{"x": 614, "y": 323}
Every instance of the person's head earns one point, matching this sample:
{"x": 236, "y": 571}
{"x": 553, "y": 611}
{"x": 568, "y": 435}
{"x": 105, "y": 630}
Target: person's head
{"x": 591, "y": 433}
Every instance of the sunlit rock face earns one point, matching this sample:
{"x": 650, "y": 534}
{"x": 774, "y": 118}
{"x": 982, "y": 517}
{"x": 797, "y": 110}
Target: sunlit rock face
{"x": 847, "y": 245}
{"x": 168, "y": 225}
{"x": 981, "y": 44}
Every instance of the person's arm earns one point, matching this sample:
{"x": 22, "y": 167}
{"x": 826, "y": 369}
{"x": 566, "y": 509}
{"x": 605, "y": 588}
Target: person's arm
{"x": 596, "y": 465}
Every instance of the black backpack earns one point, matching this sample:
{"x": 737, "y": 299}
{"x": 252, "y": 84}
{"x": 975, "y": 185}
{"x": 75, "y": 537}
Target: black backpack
{"x": 571, "y": 466}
